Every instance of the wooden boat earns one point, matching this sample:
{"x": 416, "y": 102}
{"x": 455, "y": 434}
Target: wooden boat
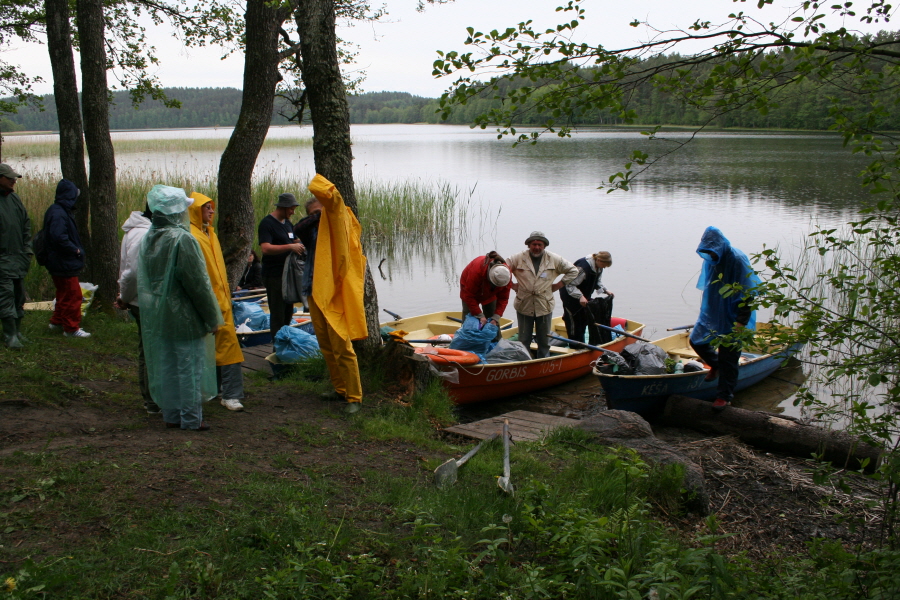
{"x": 646, "y": 394}
{"x": 479, "y": 383}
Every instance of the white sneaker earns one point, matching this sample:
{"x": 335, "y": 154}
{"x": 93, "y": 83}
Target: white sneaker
{"x": 55, "y": 328}
{"x": 232, "y": 404}
{"x": 81, "y": 333}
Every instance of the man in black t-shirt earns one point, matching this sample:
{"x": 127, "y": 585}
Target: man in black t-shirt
{"x": 276, "y": 239}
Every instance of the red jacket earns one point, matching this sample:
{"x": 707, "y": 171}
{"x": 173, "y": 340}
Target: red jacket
{"x": 476, "y": 289}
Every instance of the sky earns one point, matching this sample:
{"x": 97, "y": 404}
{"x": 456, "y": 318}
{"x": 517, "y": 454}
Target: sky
{"x": 397, "y": 53}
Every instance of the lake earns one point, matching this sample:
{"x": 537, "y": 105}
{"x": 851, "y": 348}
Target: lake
{"x": 762, "y": 189}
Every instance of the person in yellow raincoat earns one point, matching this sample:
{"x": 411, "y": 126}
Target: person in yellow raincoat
{"x": 333, "y": 283}
{"x": 228, "y": 351}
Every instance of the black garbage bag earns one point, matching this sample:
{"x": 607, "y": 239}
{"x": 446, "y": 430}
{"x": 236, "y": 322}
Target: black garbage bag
{"x": 645, "y": 359}
{"x": 600, "y": 310}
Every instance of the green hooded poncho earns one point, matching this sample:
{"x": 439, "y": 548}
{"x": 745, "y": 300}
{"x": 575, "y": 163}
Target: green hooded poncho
{"x": 178, "y": 307}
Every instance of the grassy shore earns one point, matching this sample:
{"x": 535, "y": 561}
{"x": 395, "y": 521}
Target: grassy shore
{"x": 291, "y": 499}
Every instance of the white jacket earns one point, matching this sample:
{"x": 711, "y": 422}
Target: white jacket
{"x": 534, "y": 297}
{"x": 135, "y": 226}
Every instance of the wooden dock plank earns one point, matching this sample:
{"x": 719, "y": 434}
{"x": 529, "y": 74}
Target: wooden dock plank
{"x": 255, "y": 358}
{"x": 523, "y": 425}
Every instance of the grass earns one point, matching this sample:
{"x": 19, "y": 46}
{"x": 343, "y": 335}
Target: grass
{"x": 25, "y": 149}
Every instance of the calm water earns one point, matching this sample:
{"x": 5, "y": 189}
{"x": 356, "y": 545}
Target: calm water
{"x": 760, "y": 189}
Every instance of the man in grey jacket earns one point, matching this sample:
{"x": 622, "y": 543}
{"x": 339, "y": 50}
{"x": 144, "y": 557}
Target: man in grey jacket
{"x": 535, "y": 271}
{"x": 15, "y": 257}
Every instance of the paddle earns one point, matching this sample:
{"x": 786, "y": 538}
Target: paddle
{"x": 620, "y": 332}
{"x": 393, "y": 314}
{"x": 691, "y": 326}
{"x": 445, "y": 474}
{"x": 503, "y": 481}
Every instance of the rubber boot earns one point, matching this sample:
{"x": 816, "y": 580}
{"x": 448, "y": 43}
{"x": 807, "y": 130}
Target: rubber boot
{"x": 21, "y": 337}
{"x": 9, "y": 334}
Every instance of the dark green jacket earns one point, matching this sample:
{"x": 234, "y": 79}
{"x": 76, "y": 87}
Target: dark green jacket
{"x": 15, "y": 237}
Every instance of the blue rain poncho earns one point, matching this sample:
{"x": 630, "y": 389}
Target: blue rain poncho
{"x": 717, "y": 312}
{"x": 178, "y": 307}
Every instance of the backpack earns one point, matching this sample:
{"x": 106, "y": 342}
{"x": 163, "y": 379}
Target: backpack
{"x": 39, "y": 245}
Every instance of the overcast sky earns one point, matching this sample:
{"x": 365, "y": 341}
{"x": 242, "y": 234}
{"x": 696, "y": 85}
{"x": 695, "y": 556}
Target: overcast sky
{"x": 398, "y": 52}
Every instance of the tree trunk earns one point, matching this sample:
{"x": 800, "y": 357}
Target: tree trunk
{"x": 237, "y": 223}
{"x": 68, "y": 110}
{"x": 102, "y": 183}
{"x": 330, "y": 116}
{"x": 770, "y": 432}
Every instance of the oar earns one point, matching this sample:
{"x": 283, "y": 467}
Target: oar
{"x": 620, "y": 332}
{"x": 562, "y": 339}
{"x": 691, "y": 326}
{"x": 445, "y": 474}
{"x": 393, "y": 314}
{"x": 449, "y": 318}
{"x": 503, "y": 481}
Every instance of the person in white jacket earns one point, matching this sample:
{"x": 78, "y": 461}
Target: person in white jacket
{"x": 136, "y": 225}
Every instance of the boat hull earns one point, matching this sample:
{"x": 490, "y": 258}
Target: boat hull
{"x": 647, "y": 394}
{"x": 481, "y": 383}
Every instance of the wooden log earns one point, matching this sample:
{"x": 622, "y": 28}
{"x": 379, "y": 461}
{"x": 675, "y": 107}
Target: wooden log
{"x": 770, "y": 432}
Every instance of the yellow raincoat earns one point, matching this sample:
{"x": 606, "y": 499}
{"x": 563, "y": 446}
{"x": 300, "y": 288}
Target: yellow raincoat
{"x": 228, "y": 350}
{"x": 336, "y": 304}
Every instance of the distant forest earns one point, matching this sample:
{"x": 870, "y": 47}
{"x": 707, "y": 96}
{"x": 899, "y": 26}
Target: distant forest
{"x": 807, "y": 107}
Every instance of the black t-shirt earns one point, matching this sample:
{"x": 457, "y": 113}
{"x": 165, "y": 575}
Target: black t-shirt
{"x": 277, "y": 234}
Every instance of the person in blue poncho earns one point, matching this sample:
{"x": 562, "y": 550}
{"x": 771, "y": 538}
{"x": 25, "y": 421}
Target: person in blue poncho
{"x": 720, "y": 314}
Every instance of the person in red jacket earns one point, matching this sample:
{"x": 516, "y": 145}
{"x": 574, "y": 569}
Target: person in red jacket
{"x": 484, "y": 288}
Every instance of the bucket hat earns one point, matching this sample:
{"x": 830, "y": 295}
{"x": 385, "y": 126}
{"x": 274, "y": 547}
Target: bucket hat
{"x": 287, "y": 200}
{"x": 7, "y": 171}
{"x": 499, "y": 275}
{"x": 537, "y": 235}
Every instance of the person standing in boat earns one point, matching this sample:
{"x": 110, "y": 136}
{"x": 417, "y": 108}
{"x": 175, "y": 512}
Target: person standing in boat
{"x": 251, "y": 279}
{"x": 229, "y": 377}
{"x": 577, "y": 294}
{"x": 484, "y": 288}
{"x": 276, "y": 239}
{"x": 721, "y": 314}
{"x": 535, "y": 271}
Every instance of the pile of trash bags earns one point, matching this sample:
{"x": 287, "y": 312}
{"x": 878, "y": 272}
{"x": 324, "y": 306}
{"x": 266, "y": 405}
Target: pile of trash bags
{"x": 639, "y": 358}
{"x": 472, "y": 337}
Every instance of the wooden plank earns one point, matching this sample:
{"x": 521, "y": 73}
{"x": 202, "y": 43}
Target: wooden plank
{"x": 523, "y": 425}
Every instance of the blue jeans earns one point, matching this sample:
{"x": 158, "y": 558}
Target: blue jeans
{"x": 541, "y": 328}
{"x": 190, "y": 418}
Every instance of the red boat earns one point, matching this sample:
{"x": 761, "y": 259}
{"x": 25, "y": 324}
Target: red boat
{"x": 481, "y": 382}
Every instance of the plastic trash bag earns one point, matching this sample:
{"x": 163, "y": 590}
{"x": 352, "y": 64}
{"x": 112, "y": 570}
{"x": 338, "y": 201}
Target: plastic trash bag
{"x": 474, "y": 338}
{"x": 292, "y": 278}
{"x": 251, "y": 314}
{"x": 87, "y": 296}
{"x": 507, "y": 351}
{"x": 243, "y": 327}
{"x": 292, "y": 344}
{"x": 645, "y": 359}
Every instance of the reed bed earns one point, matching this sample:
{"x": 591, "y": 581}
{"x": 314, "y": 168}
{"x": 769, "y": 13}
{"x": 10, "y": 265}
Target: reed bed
{"x": 25, "y": 149}
{"x": 397, "y": 218}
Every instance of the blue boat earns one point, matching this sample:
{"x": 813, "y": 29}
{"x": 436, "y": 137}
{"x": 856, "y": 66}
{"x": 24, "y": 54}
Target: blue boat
{"x": 646, "y": 394}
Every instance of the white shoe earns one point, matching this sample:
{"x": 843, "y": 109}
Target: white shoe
{"x": 55, "y": 328}
{"x": 81, "y": 333}
{"x": 232, "y": 404}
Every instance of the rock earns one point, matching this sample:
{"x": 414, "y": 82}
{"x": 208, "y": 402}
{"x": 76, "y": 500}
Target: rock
{"x": 630, "y": 430}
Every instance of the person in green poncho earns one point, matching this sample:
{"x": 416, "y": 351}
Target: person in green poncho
{"x": 179, "y": 312}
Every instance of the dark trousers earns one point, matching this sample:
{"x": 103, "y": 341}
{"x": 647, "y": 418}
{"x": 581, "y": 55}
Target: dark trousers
{"x": 725, "y": 359}
{"x": 280, "y": 312}
{"x": 143, "y": 382}
{"x": 488, "y": 310}
{"x": 539, "y": 327}
{"x": 12, "y": 298}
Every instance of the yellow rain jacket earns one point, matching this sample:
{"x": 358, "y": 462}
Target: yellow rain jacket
{"x": 228, "y": 350}
{"x": 340, "y": 265}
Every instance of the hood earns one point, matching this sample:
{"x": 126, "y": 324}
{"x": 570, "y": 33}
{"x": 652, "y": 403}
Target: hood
{"x": 194, "y": 209}
{"x": 66, "y": 194}
{"x": 715, "y": 241}
{"x": 136, "y": 220}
